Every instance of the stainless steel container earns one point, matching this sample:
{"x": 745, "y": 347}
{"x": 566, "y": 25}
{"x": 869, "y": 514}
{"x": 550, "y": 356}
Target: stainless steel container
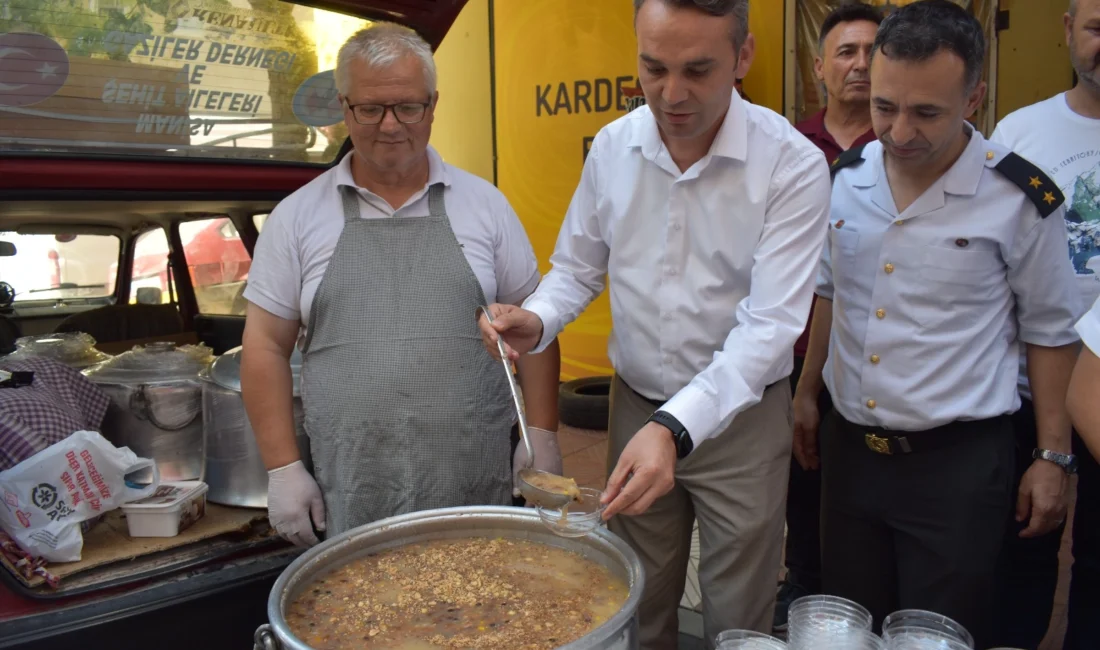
{"x": 620, "y": 632}
{"x": 235, "y": 471}
{"x": 156, "y": 405}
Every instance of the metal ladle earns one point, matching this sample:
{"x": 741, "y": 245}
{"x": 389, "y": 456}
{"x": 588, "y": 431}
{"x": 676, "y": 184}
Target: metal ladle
{"x": 533, "y": 494}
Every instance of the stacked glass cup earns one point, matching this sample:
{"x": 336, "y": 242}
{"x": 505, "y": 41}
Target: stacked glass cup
{"x": 830, "y": 623}
{"x": 916, "y": 629}
{"x": 747, "y": 640}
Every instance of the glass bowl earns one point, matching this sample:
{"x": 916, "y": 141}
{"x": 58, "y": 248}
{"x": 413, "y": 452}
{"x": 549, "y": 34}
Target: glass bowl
{"x": 581, "y": 518}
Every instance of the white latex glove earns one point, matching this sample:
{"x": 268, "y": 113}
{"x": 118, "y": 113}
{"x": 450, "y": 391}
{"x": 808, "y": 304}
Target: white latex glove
{"x": 293, "y": 497}
{"x": 547, "y": 455}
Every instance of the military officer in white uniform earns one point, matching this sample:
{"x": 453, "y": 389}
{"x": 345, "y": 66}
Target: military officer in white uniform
{"x": 945, "y": 262}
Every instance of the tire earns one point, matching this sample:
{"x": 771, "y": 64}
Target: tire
{"x": 585, "y": 403}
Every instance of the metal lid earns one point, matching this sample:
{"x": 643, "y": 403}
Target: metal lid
{"x": 226, "y": 370}
{"x": 153, "y": 363}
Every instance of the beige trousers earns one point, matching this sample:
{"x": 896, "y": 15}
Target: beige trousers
{"x": 735, "y": 484}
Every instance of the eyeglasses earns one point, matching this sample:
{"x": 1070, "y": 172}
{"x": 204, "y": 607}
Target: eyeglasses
{"x": 372, "y": 114}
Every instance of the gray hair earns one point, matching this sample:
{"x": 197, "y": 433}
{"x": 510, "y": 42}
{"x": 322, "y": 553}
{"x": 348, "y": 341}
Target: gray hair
{"x": 1072, "y": 11}
{"x": 382, "y": 44}
{"x": 739, "y": 9}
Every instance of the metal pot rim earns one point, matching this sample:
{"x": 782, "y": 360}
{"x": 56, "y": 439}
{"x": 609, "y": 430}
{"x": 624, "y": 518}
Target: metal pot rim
{"x": 601, "y": 539}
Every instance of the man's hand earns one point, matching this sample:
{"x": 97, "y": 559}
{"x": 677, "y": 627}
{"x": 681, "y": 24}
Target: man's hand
{"x": 521, "y": 330}
{"x": 648, "y": 468}
{"x": 547, "y": 455}
{"x": 1042, "y": 497}
{"x": 293, "y": 498}
{"x": 807, "y": 419}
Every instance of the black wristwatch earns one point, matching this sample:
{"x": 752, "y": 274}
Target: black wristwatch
{"x": 680, "y": 436}
{"x": 1068, "y": 462}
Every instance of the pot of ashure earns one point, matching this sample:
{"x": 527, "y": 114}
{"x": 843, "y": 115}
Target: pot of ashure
{"x": 440, "y": 578}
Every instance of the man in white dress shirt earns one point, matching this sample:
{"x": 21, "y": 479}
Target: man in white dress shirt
{"x": 708, "y": 215}
{"x": 946, "y": 261}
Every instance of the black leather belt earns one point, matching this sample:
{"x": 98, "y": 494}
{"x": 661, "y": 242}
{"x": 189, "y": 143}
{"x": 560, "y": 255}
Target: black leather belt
{"x": 891, "y": 442}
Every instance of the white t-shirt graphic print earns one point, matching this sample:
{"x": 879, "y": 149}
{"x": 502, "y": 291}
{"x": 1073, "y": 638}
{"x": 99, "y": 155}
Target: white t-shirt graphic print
{"x": 1067, "y": 146}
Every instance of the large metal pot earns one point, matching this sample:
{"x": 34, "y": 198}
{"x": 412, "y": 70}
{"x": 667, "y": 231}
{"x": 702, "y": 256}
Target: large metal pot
{"x": 235, "y": 471}
{"x": 620, "y": 632}
{"x": 156, "y": 405}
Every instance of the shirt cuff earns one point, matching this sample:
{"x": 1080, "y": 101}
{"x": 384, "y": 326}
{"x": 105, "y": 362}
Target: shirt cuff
{"x": 825, "y": 292}
{"x": 1048, "y": 339}
{"x": 696, "y": 411}
{"x": 551, "y": 322}
{"x": 1089, "y": 330}
{"x": 253, "y": 295}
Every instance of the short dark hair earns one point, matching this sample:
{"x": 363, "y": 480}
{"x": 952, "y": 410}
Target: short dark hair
{"x": 918, "y": 31}
{"x": 851, "y": 12}
{"x": 739, "y": 9}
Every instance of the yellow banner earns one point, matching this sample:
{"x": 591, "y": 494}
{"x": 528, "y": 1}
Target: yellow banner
{"x": 563, "y": 69}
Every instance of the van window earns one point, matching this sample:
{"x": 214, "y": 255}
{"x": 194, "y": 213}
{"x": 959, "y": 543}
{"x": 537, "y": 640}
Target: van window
{"x": 218, "y": 263}
{"x": 60, "y": 266}
{"x": 150, "y": 267}
{"x": 209, "y": 79}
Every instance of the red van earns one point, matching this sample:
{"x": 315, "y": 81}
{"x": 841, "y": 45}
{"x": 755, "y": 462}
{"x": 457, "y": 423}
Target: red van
{"x": 142, "y": 143}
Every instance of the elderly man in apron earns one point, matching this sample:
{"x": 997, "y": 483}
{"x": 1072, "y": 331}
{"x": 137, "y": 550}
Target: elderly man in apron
{"x": 385, "y": 259}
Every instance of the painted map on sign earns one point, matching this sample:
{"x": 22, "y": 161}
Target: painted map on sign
{"x": 1083, "y": 220}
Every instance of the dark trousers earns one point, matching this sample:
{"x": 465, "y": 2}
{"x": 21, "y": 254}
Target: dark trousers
{"x": 1084, "y": 588}
{"x": 1027, "y": 573}
{"x": 803, "y": 546}
{"x": 917, "y": 530}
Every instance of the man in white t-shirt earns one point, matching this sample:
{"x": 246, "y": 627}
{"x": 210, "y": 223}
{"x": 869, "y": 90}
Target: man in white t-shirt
{"x": 1061, "y": 135}
{"x": 385, "y": 260}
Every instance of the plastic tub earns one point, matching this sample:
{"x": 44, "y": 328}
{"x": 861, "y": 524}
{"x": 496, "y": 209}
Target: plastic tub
{"x": 581, "y": 519}
{"x": 173, "y": 508}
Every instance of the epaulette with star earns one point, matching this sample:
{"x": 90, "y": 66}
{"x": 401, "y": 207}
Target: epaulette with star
{"x": 1033, "y": 181}
{"x": 849, "y": 157}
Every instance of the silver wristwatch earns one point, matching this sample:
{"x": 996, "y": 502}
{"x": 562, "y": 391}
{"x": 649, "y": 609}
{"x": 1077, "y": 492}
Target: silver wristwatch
{"x": 1068, "y": 462}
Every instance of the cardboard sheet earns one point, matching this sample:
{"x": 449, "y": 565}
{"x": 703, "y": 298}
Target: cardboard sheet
{"x": 109, "y": 541}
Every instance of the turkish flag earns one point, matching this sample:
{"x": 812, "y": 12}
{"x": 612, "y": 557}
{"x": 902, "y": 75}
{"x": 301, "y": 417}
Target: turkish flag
{"x": 32, "y": 68}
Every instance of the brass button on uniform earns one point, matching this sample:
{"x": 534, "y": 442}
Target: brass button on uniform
{"x": 881, "y": 313}
{"x": 899, "y": 222}
{"x": 871, "y": 403}
{"x": 874, "y": 358}
{"x": 889, "y": 267}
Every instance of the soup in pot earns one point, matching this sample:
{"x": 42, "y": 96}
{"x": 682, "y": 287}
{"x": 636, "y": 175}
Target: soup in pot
{"x": 467, "y": 593}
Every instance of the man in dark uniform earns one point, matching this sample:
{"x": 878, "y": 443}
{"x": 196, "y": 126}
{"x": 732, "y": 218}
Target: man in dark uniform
{"x": 842, "y": 66}
{"x": 945, "y": 263}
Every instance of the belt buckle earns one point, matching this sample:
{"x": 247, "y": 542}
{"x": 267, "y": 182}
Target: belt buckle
{"x": 877, "y": 444}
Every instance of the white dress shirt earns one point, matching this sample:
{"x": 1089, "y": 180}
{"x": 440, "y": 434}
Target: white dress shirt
{"x": 299, "y": 237}
{"x": 930, "y": 305}
{"x": 711, "y": 270}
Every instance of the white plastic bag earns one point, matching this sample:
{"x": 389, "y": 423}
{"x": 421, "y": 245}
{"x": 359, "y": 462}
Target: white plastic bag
{"x": 45, "y": 497}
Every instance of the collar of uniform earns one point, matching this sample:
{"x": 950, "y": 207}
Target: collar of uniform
{"x": 730, "y": 142}
{"x": 963, "y": 177}
{"x": 867, "y": 174}
{"x": 437, "y": 171}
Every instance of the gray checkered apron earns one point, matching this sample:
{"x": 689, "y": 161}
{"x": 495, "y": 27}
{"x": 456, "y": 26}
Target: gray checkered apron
{"x": 404, "y": 409}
